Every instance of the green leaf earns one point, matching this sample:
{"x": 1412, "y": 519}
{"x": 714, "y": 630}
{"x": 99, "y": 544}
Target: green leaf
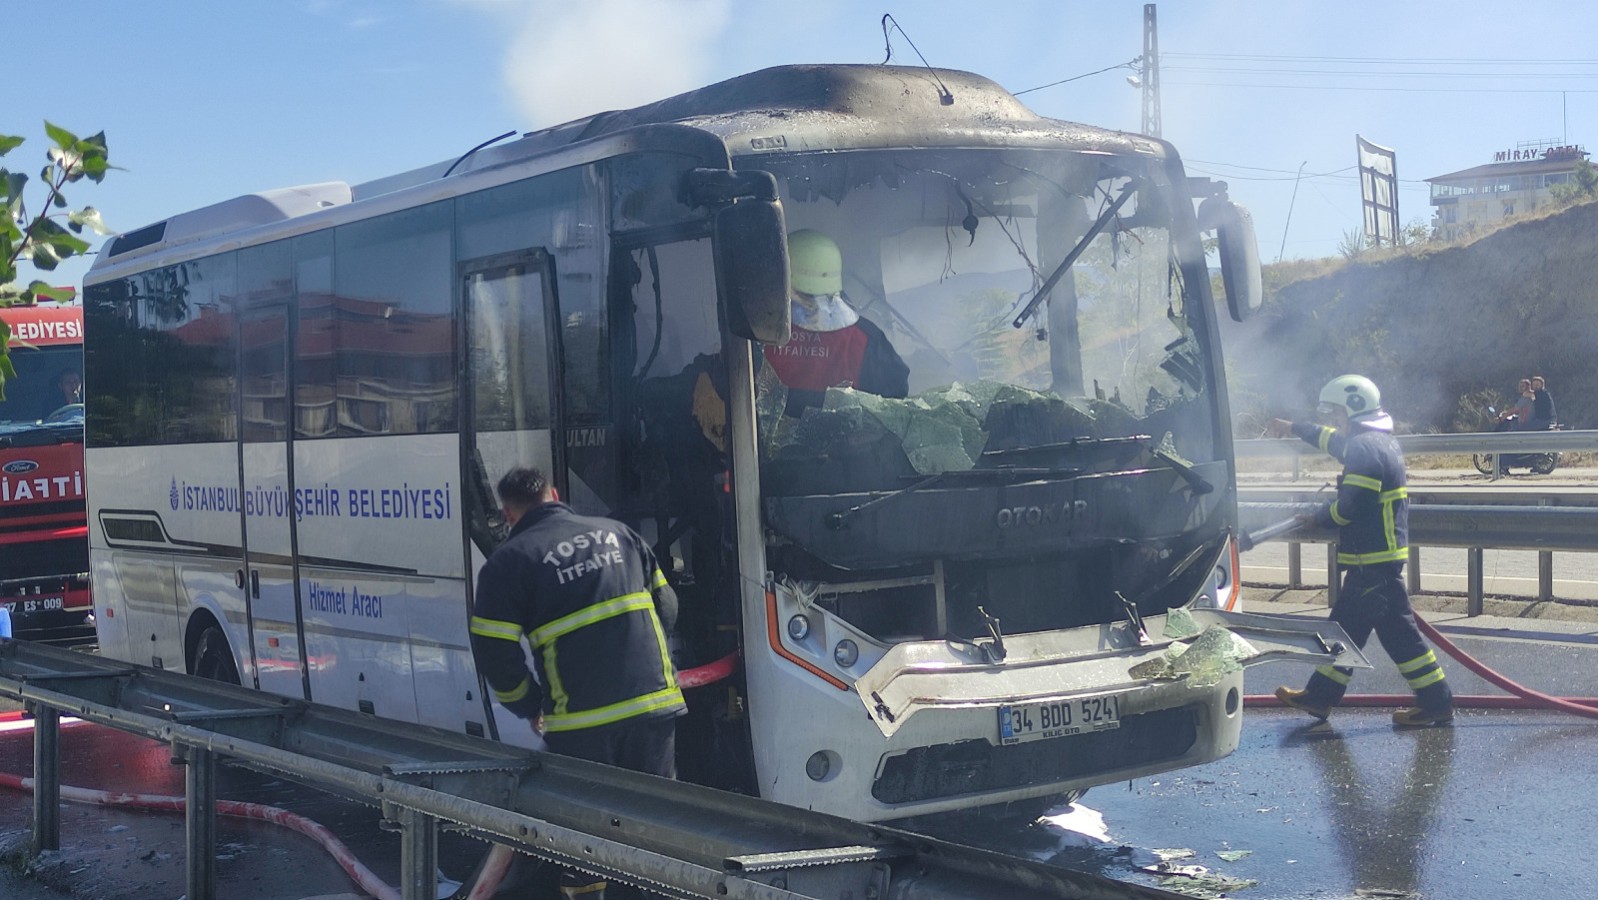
{"x": 14, "y": 184}
{"x": 9, "y": 143}
{"x": 7, "y": 373}
{"x": 70, "y": 164}
{"x": 89, "y": 217}
{"x": 96, "y": 160}
{"x": 41, "y": 289}
{"x": 43, "y": 256}
{"x": 62, "y": 137}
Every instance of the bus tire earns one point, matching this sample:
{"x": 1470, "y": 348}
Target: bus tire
{"x": 213, "y": 659}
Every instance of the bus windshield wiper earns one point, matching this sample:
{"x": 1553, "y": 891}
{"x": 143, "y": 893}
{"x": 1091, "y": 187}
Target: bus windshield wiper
{"x": 1065, "y": 265}
{"x": 1183, "y": 468}
{"x": 840, "y": 519}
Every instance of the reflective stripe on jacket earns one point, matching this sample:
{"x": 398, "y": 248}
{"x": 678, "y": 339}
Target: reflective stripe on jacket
{"x": 595, "y": 608}
{"x": 1371, "y": 511}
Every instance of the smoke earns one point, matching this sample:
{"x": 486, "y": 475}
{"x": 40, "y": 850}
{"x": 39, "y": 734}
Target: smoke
{"x": 566, "y": 60}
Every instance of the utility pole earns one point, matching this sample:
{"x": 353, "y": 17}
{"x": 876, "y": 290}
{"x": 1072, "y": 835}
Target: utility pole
{"x": 1151, "y": 72}
{"x": 1290, "y": 204}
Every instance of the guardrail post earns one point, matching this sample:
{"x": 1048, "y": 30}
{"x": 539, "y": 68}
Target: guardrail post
{"x": 1295, "y": 566}
{"x": 199, "y": 821}
{"x": 46, "y": 778}
{"x": 1545, "y": 575}
{"x": 1473, "y": 581}
{"x": 1414, "y": 570}
{"x": 418, "y": 853}
{"x": 1331, "y": 574}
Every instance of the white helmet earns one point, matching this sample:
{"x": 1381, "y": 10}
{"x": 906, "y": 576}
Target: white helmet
{"x": 1358, "y": 396}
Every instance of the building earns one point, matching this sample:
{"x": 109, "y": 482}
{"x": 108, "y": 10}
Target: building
{"x": 1516, "y": 181}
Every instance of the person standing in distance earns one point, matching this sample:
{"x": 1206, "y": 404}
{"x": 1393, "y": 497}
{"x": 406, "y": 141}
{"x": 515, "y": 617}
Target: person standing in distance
{"x": 595, "y": 607}
{"x": 1542, "y": 406}
{"x": 1371, "y": 514}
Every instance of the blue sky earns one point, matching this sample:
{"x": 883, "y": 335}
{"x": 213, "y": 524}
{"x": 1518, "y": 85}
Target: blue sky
{"x": 202, "y": 101}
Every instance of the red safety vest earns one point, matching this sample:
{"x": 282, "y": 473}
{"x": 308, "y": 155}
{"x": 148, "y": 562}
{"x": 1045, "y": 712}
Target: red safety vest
{"x": 817, "y": 360}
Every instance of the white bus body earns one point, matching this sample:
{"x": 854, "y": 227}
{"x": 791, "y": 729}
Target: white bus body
{"x": 297, "y": 401}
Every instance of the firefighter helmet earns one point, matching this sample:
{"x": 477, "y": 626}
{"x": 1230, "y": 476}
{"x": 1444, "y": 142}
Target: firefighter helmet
{"x": 816, "y": 268}
{"x": 1354, "y": 393}
{"x": 815, "y": 263}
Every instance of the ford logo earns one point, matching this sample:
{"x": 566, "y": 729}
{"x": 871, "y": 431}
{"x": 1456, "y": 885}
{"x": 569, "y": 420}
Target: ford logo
{"x": 18, "y": 466}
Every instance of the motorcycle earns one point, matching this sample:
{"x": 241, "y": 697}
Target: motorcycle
{"x": 1538, "y": 463}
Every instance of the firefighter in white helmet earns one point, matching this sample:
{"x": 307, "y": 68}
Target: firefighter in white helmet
{"x": 1371, "y": 514}
{"x": 832, "y": 345}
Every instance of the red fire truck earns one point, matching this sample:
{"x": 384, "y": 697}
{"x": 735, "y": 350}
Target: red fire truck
{"x": 44, "y": 556}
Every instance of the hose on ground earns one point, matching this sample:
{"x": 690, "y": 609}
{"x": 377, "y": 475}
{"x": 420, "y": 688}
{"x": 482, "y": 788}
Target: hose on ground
{"x": 1522, "y": 697}
{"x": 362, "y": 876}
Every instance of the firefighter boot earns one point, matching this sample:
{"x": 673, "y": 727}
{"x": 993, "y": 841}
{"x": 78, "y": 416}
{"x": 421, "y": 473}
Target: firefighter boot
{"x": 1416, "y": 717}
{"x": 1300, "y": 700}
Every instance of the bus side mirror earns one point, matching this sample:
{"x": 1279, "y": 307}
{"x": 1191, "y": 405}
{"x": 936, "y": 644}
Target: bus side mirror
{"x": 752, "y": 269}
{"x": 1239, "y": 252}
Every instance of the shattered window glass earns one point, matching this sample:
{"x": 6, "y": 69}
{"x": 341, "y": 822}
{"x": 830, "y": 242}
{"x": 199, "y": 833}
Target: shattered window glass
{"x": 1036, "y": 298}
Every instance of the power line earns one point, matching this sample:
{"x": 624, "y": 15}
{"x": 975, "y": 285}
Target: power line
{"x": 1388, "y": 60}
{"x": 1228, "y": 70}
{"x": 1126, "y": 65}
{"x": 1406, "y": 90}
{"x": 1335, "y": 173}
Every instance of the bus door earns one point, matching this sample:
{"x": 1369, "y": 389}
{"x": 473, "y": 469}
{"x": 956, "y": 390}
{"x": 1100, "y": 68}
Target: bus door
{"x": 276, "y": 628}
{"x": 512, "y": 389}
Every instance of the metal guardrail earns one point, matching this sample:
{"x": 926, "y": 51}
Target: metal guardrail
{"x": 1509, "y": 524}
{"x": 1421, "y": 444}
{"x": 672, "y": 838}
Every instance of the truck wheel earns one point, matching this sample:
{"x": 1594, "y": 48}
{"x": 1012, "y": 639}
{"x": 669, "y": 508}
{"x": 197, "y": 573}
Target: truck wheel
{"x": 213, "y": 659}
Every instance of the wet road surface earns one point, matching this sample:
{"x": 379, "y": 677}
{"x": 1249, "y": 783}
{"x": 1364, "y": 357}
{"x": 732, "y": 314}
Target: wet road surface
{"x": 1498, "y": 806}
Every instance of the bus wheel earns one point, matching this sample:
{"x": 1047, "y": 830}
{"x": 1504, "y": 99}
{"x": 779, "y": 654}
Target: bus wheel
{"x": 213, "y": 659}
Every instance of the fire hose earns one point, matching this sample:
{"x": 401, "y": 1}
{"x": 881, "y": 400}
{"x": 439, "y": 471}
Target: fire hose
{"x": 360, "y": 874}
{"x": 1521, "y": 697}
{"x": 487, "y": 878}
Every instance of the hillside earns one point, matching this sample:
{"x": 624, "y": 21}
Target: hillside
{"x": 1442, "y": 331}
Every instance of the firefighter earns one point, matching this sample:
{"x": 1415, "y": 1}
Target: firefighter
{"x": 1371, "y": 513}
{"x": 593, "y": 604}
{"x": 832, "y": 345}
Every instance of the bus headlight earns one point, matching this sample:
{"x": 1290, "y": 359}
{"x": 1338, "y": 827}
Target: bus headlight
{"x": 846, "y": 653}
{"x": 822, "y": 765}
{"x": 798, "y": 628}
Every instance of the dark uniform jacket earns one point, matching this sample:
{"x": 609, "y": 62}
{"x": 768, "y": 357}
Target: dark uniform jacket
{"x": 1371, "y": 511}
{"x": 595, "y": 607}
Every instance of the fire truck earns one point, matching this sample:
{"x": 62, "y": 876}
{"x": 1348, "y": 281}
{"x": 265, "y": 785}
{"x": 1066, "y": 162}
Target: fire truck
{"x": 44, "y": 555}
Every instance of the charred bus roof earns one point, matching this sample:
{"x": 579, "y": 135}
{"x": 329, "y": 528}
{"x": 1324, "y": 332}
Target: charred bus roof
{"x": 783, "y": 109}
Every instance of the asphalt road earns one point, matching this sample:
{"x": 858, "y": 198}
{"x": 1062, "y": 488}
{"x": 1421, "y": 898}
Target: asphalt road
{"x": 1493, "y": 807}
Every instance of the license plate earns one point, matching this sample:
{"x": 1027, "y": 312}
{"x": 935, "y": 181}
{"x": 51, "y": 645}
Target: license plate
{"x": 1058, "y": 718}
{"x": 38, "y": 604}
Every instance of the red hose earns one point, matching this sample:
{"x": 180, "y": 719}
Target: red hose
{"x": 1523, "y": 697}
{"x": 362, "y": 876}
{"x": 709, "y": 673}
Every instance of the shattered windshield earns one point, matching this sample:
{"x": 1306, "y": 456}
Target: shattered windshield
{"x": 959, "y": 310}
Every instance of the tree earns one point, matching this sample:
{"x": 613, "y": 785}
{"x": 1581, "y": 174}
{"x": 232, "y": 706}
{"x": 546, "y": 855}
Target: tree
{"x": 41, "y": 238}
{"x": 1583, "y": 184}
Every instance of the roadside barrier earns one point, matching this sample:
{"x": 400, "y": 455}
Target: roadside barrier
{"x": 1521, "y": 697}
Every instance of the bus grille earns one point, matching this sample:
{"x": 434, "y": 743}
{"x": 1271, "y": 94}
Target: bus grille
{"x": 976, "y": 766}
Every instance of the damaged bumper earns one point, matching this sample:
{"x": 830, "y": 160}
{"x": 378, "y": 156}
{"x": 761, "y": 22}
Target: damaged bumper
{"x": 1091, "y": 678}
